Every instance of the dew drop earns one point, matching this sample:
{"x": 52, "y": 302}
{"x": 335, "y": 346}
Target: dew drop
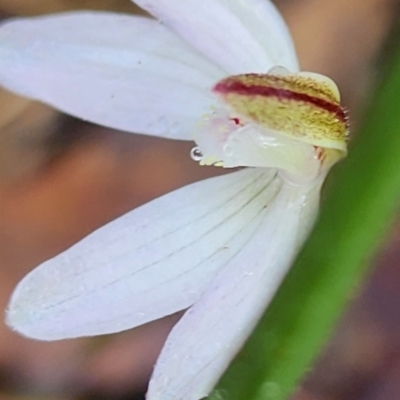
{"x": 196, "y": 154}
{"x": 228, "y": 150}
{"x": 278, "y": 71}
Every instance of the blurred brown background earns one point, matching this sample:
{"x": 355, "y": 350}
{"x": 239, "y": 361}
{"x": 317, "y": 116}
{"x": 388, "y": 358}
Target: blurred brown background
{"x": 60, "y": 178}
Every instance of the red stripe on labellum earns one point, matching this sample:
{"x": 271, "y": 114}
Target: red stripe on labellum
{"x": 229, "y": 86}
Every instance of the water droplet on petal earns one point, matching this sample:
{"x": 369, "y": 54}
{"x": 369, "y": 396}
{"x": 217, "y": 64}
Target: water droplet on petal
{"x": 196, "y": 154}
{"x": 228, "y": 150}
{"x": 279, "y": 71}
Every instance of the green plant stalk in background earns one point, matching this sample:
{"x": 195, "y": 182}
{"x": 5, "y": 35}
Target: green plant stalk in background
{"x": 360, "y": 208}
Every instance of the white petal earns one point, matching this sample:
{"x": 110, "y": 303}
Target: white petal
{"x": 208, "y": 336}
{"x": 239, "y": 35}
{"x": 152, "y": 262}
{"x": 125, "y": 72}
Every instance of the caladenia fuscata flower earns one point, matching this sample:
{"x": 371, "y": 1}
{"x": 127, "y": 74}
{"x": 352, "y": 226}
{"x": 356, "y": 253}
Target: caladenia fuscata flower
{"x": 223, "y": 73}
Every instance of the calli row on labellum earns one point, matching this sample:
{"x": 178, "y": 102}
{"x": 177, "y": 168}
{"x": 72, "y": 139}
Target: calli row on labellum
{"x": 223, "y": 73}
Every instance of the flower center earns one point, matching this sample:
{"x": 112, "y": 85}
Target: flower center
{"x": 304, "y": 106}
{"x": 292, "y": 122}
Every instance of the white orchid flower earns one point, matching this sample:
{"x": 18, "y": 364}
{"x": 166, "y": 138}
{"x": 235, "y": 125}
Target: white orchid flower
{"x": 223, "y": 73}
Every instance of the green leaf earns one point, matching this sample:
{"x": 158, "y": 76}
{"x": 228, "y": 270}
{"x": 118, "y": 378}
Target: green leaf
{"x": 363, "y": 200}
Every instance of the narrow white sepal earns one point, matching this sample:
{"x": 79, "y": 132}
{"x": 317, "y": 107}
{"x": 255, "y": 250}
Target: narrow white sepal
{"x": 241, "y": 36}
{"x": 211, "y": 332}
{"x": 125, "y": 72}
{"x": 151, "y": 262}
